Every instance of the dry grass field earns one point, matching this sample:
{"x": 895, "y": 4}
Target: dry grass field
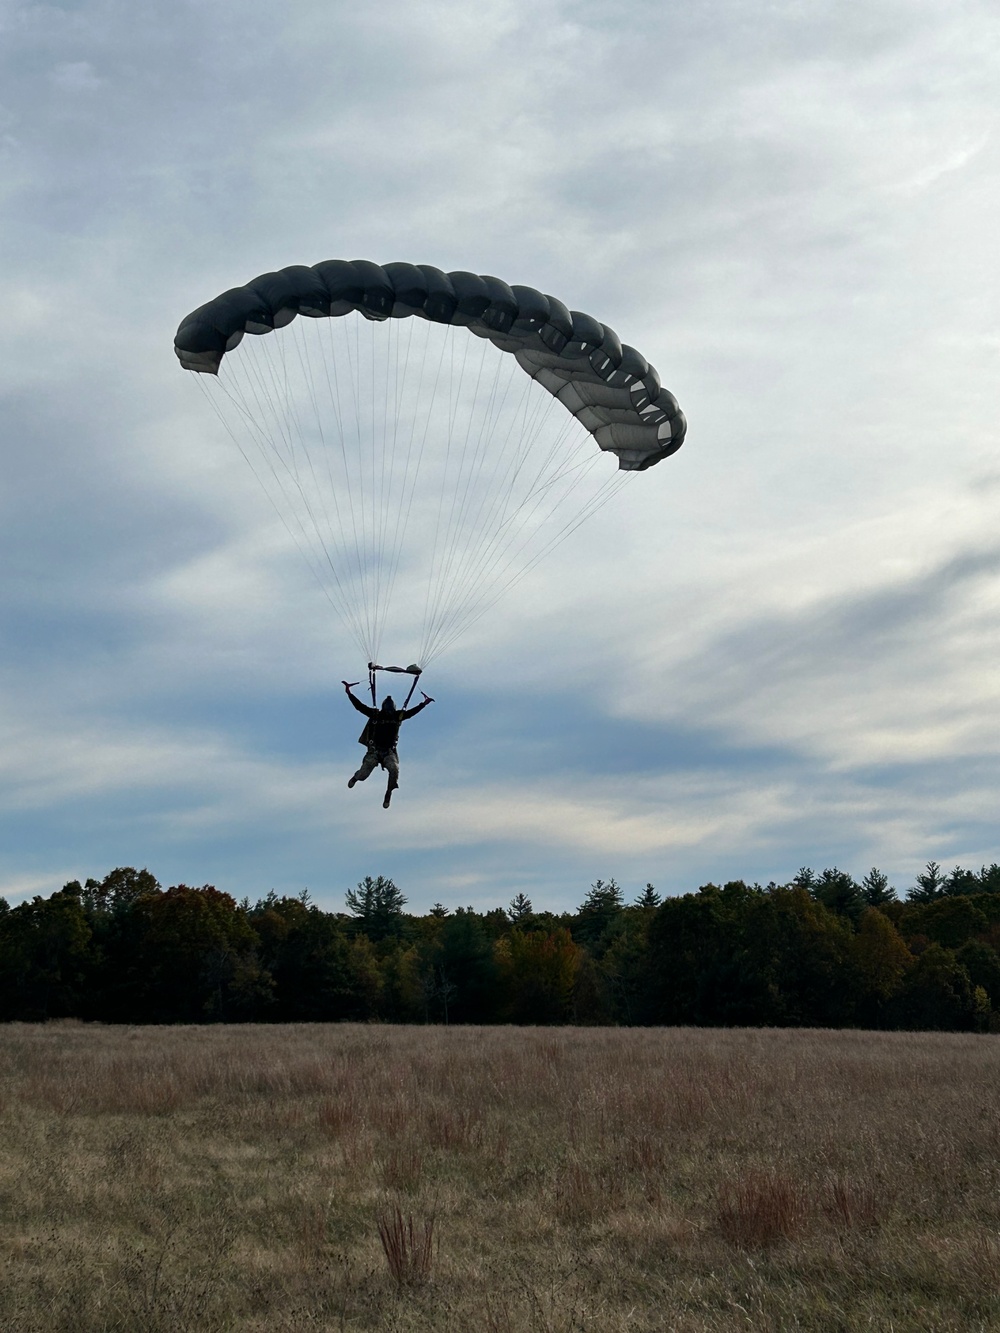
{"x": 497, "y": 1180}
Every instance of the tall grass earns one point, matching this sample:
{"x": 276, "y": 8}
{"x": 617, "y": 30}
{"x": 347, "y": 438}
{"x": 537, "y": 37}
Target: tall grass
{"x": 362, "y": 1178}
{"x": 408, "y": 1246}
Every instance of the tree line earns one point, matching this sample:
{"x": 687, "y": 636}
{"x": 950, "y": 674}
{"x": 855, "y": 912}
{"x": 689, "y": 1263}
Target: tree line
{"x": 821, "y": 950}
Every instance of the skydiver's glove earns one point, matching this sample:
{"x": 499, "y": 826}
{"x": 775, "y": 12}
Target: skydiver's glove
{"x": 427, "y": 698}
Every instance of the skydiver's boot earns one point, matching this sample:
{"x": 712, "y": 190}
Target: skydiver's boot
{"x": 388, "y": 794}
{"x": 352, "y": 781}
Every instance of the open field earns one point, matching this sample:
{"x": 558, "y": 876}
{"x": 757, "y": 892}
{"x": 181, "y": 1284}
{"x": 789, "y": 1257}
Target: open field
{"x": 215, "y": 1178}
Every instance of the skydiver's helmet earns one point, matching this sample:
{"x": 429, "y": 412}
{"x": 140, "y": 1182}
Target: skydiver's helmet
{"x": 387, "y": 705}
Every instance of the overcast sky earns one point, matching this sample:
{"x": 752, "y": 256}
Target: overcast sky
{"x": 777, "y": 648}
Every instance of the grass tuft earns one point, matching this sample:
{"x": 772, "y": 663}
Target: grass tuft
{"x": 759, "y": 1208}
{"x": 408, "y": 1247}
{"x": 855, "y": 1204}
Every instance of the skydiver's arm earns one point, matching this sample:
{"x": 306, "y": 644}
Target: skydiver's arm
{"x": 412, "y": 712}
{"x": 362, "y": 708}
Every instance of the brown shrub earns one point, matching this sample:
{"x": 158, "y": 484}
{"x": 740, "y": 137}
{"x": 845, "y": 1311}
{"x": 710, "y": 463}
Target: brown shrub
{"x": 408, "y": 1247}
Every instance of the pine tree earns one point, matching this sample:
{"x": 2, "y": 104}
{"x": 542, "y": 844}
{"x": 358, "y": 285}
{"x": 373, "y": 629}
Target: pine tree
{"x": 378, "y": 906}
{"x": 520, "y": 908}
{"x": 961, "y": 882}
{"x": 837, "y": 890}
{"x": 929, "y": 886}
{"x": 602, "y": 905}
{"x": 876, "y": 889}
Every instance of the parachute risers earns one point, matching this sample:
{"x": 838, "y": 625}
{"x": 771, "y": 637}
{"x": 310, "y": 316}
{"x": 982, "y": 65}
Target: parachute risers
{"x": 411, "y": 670}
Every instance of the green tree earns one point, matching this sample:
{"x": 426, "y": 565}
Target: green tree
{"x": 836, "y": 890}
{"x": 44, "y": 957}
{"x": 683, "y": 957}
{"x": 929, "y": 885}
{"x": 320, "y": 973}
{"x": 876, "y": 889}
{"x": 519, "y": 909}
{"x": 538, "y": 970}
{"x": 960, "y": 881}
{"x": 746, "y": 956}
{"x": 598, "y": 913}
{"x": 119, "y": 889}
{"x": 402, "y": 996}
{"x": 881, "y": 959}
{"x": 945, "y": 920}
{"x": 625, "y": 968}
{"x": 648, "y": 898}
{"x": 937, "y": 994}
{"x": 377, "y": 905}
{"x": 461, "y": 975}
{"x": 196, "y": 956}
{"x": 982, "y": 962}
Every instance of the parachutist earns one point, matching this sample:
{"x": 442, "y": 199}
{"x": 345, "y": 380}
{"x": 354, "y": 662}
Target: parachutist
{"x": 380, "y": 737}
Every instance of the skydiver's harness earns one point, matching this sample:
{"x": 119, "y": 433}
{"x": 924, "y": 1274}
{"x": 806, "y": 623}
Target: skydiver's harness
{"x": 366, "y": 736}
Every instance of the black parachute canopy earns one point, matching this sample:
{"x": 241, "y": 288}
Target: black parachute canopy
{"x": 607, "y": 385}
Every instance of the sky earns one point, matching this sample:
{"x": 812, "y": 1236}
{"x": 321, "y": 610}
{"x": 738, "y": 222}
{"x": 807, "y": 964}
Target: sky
{"x": 777, "y": 648}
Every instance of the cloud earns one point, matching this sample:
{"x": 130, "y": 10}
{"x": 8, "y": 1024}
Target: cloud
{"x": 75, "y": 76}
{"x": 776, "y": 647}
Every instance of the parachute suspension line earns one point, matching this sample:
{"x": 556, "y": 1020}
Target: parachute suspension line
{"x": 475, "y": 587}
{"x": 386, "y": 462}
{"x": 451, "y": 413}
{"x": 360, "y": 453}
{"x": 330, "y": 363}
{"x": 477, "y": 567}
{"x": 392, "y": 500}
{"x": 259, "y": 387}
{"x": 395, "y": 535}
{"x": 294, "y": 435}
{"x": 345, "y": 432}
{"x": 329, "y": 489}
{"x": 265, "y": 447}
{"x": 460, "y": 557}
{"x": 479, "y": 594}
{"x": 408, "y": 472}
{"x": 437, "y": 584}
{"x": 471, "y": 508}
{"x": 464, "y": 556}
{"x": 318, "y": 511}
{"x": 490, "y": 599}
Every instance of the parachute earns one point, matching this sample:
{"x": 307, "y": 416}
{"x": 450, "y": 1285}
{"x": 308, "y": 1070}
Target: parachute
{"x": 420, "y": 471}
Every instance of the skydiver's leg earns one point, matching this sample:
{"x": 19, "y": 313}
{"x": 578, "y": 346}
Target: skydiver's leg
{"x": 390, "y": 762}
{"x": 367, "y": 764}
